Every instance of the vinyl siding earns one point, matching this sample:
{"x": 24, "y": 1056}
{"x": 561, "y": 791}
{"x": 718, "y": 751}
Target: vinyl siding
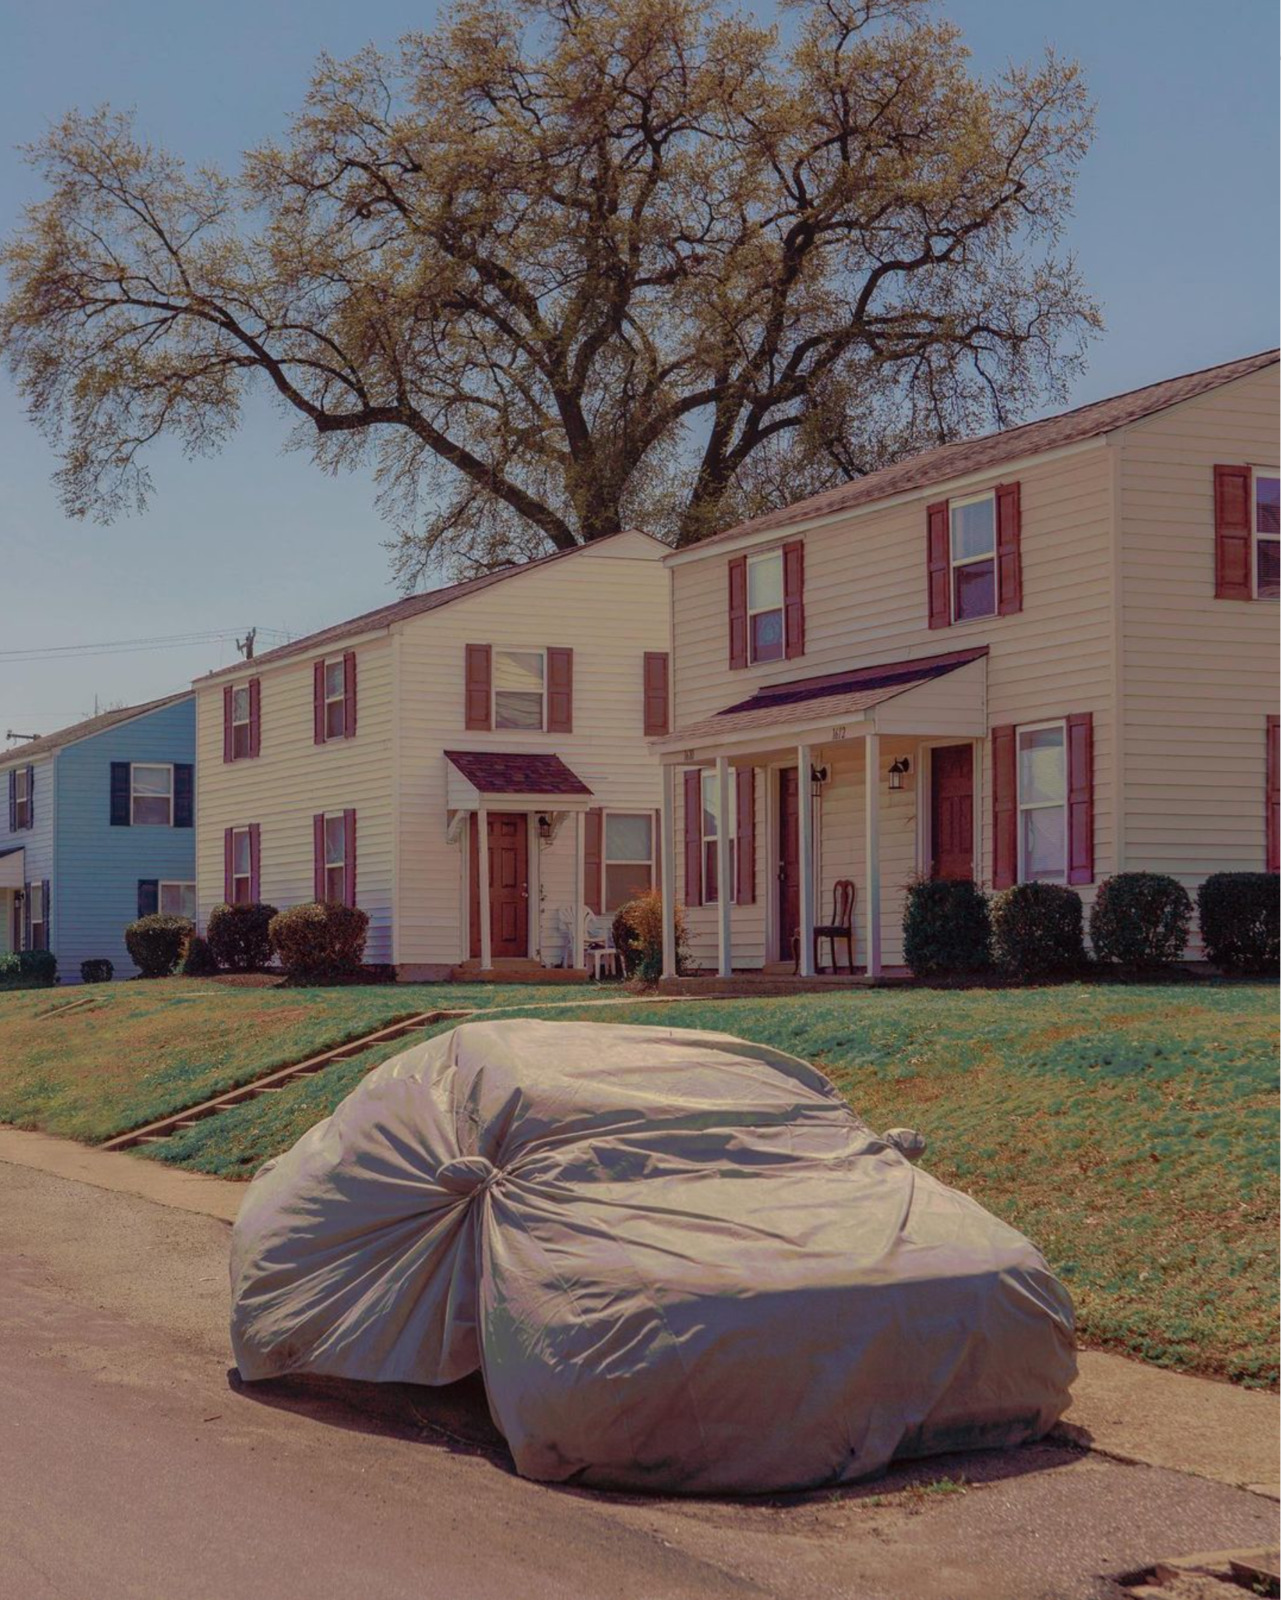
{"x": 96, "y": 866}
{"x": 1199, "y": 674}
{"x": 36, "y": 841}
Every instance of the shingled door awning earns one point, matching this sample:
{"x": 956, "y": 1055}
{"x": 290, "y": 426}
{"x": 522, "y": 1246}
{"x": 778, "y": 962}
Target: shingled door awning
{"x": 12, "y": 867}
{"x": 499, "y": 776}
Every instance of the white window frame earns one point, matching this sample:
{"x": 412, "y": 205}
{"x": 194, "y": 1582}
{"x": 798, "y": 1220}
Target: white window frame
{"x": 954, "y": 562}
{"x": 709, "y": 775}
{"x": 607, "y": 861}
{"x": 155, "y": 766}
{"x": 247, "y": 876}
{"x": 23, "y": 809}
{"x": 244, "y": 722}
{"x": 339, "y": 699}
{"x": 340, "y": 865}
{"x": 763, "y": 611}
{"x": 494, "y": 691}
{"x": 33, "y": 922}
{"x": 1255, "y": 535}
{"x": 174, "y": 883}
{"x": 1040, "y": 805}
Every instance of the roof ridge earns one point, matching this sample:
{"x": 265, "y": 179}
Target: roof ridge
{"x": 87, "y": 727}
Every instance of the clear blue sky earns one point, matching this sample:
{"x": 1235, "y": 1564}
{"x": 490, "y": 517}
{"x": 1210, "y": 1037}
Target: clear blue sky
{"x": 1176, "y": 230}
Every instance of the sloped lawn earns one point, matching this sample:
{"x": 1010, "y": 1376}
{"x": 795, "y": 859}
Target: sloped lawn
{"x": 1131, "y": 1132}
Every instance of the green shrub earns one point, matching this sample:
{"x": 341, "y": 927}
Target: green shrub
{"x": 638, "y": 937}
{"x": 1239, "y": 923}
{"x": 98, "y": 970}
{"x": 1037, "y": 931}
{"x": 239, "y": 936}
{"x": 156, "y": 942}
{"x": 28, "y": 969}
{"x": 947, "y": 929}
{"x": 199, "y": 960}
{"x": 320, "y": 943}
{"x": 1140, "y": 920}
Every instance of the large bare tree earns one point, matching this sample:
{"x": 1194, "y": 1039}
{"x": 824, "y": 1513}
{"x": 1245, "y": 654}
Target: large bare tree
{"x": 564, "y": 266}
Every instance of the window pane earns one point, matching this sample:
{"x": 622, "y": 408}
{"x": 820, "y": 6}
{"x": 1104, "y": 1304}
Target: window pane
{"x": 240, "y": 704}
{"x": 709, "y": 873}
{"x": 519, "y": 669}
{"x": 1043, "y": 843}
{"x": 765, "y": 582}
{"x": 516, "y": 710}
{"x": 335, "y": 719}
{"x": 335, "y": 841}
{"x": 335, "y": 883}
{"x": 150, "y": 811}
{"x": 974, "y": 529}
{"x": 240, "y": 852}
{"x": 333, "y": 679}
{"x": 709, "y": 805}
{"x": 239, "y": 739}
{"x": 1269, "y": 578}
{"x": 240, "y": 891}
{"x": 178, "y": 899}
{"x": 628, "y": 838}
{"x": 1267, "y": 502}
{"x": 152, "y": 780}
{"x": 767, "y": 636}
{"x": 1041, "y": 766}
{"x": 975, "y": 587}
{"x": 622, "y": 883}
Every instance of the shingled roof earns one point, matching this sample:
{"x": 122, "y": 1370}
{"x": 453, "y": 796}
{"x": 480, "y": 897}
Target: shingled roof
{"x": 48, "y": 742}
{"x": 989, "y": 450}
{"x": 512, "y": 772}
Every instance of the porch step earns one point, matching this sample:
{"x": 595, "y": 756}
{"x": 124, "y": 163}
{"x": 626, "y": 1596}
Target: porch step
{"x": 516, "y": 970}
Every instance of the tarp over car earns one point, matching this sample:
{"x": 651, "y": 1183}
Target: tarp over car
{"x": 679, "y": 1259}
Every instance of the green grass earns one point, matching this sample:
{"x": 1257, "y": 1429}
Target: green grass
{"x": 138, "y": 1051}
{"x": 1129, "y": 1131}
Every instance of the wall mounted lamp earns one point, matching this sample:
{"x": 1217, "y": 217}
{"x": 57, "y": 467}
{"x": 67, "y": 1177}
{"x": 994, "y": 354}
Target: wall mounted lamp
{"x": 897, "y": 770}
{"x": 818, "y": 777}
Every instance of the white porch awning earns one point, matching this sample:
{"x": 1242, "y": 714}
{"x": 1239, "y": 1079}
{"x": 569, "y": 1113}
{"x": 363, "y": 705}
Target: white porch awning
{"x": 13, "y": 867}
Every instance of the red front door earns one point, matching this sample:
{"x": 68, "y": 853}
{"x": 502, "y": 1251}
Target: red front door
{"x": 508, "y": 886}
{"x": 952, "y": 811}
{"x": 789, "y": 862}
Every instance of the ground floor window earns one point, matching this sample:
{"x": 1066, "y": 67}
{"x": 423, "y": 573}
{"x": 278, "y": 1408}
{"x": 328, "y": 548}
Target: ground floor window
{"x": 241, "y": 867}
{"x": 629, "y": 856}
{"x": 711, "y": 828}
{"x": 336, "y": 857}
{"x": 1042, "y": 789}
{"x": 178, "y": 900}
{"x": 37, "y": 918}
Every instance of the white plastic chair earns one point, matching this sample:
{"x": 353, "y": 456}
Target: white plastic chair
{"x": 598, "y": 945}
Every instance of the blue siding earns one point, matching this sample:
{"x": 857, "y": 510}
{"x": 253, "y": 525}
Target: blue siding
{"x": 37, "y": 840}
{"x": 97, "y": 867}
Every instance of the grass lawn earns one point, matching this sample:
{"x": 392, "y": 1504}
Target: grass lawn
{"x": 1129, "y": 1131}
{"x": 141, "y": 1050}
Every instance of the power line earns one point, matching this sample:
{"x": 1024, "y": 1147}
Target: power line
{"x": 173, "y": 641}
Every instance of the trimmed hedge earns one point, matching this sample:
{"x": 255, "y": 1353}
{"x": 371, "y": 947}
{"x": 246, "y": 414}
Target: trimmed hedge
{"x": 157, "y": 942}
{"x": 320, "y": 942}
{"x": 199, "y": 960}
{"x": 28, "y": 969}
{"x": 1239, "y": 921}
{"x": 638, "y": 937}
{"x": 1037, "y": 931}
{"x": 97, "y": 970}
{"x": 947, "y": 928}
{"x": 1141, "y": 920}
{"x": 240, "y": 937}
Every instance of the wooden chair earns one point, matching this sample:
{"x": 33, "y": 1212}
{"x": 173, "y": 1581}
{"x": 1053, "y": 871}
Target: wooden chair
{"x": 840, "y": 930}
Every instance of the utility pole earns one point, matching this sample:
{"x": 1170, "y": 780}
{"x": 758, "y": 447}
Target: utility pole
{"x": 246, "y": 645}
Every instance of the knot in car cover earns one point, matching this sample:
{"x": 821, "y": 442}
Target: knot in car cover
{"x": 466, "y": 1175}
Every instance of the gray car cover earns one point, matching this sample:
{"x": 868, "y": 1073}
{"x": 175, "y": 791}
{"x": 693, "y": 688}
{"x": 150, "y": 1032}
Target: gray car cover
{"x": 679, "y": 1260}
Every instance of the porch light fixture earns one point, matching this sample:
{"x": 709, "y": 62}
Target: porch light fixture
{"x": 818, "y": 777}
{"x": 897, "y": 769}
{"x": 544, "y": 825}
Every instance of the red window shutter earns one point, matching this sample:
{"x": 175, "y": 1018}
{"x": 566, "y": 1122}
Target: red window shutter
{"x": 938, "y": 565}
{"x": 745, "y": 796}
{"x": 255, "y": 716}
{"x": 560, "y": 690}
{"x": 656, "y": 697}
{"x": 318, "y": 856}
{"x": 228, "y": 752}
{"x": 794, "y": 598}
{"x": 1274, "y": 795}
{"x": 1005, "y": 809}
{"x": 694, "y": 837}
{"x": 349, "y": 844}
{"x": 478, "y": 669}
{"x": 349, "y": 694}
{"x": 1232, "y": 533}
{"x": 228, "y": 862}
{"x": 318, "y": 702}
{"x": 1009, "y": 549}
{"x": 1080, "y": 782}
{"x": 592, "y": 845}
{"x": 255, "y": 862}
{"x": 738, "y": 612}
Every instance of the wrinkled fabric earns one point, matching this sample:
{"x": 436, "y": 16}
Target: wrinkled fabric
{"x": 678, "y": 1258}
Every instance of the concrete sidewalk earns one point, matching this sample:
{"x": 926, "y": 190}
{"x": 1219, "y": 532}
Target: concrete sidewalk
{"x": 1120, "y": 1408}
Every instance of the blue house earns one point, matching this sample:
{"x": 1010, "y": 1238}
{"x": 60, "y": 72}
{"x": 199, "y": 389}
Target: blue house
{"x": 98, "y": 830}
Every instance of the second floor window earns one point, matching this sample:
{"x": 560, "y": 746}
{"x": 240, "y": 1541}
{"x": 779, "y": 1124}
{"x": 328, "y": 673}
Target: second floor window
{"x": 335, "y": 700}
{"x": 240, "y": 741}
{"x": 1267, "y": 535}
{"x": 711, "y": 832}
{"x": 765, "y": 640}
{"x": 22, "y": 800}
{"x": 241, "y": 867}
{"x": 151, "y": 795}
{"x": 1042, "y": 791}
{"x": 519, "y": 682}
{"x": 973, "y": 558}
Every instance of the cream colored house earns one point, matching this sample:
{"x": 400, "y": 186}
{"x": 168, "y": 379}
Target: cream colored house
{"x": 1050, "y": 653}
{"x": 491, "y": 733}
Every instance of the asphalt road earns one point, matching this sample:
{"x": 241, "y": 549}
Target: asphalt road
{"x": 132, "y": 1466}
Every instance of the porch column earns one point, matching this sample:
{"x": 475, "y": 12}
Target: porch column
{"x": 480, "y": 822}
{"x": 669, "y": 871}
{"x": 872, "y": 853}
{"x": 580, "y": 878}
{"x": 805, "y": 841}
{"x": 724, "y": 871}
{"x": 533, "y": 885}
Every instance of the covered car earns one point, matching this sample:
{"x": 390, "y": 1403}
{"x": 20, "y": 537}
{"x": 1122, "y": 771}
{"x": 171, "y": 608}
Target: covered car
{"x": 679, "y": 1260}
